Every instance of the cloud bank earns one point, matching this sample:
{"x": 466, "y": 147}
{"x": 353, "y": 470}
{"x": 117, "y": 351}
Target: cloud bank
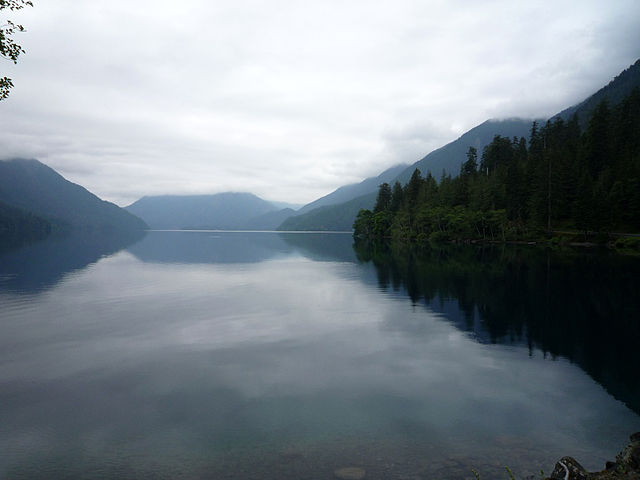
{"x": 289, "y": 99}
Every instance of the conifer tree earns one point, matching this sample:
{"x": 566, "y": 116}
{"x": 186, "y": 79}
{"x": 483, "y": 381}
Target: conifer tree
{"x": 384, "y": 198}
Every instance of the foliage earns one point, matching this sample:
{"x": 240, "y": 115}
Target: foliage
{"x": 383, "y": 201}
{"x": 563, "y": 179}
{"x": 9, "y": 49}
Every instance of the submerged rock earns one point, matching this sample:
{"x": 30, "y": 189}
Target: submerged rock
{"x": 350, "y": 473}
{"x": 568, "y": 468}
{"x": 626, "y": 466}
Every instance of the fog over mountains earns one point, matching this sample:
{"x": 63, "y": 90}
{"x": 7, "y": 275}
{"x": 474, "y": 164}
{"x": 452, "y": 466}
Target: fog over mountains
{"x": 449, "y": 157}
{"x": 35, "y": 200}
{"x": 349, "y": 192}
{"x": 221, "y": 211}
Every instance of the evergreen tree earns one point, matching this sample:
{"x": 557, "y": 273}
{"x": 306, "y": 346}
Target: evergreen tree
{"x": 384, "y": 198}
{"x": 397, "y": 197}
{"x": 413, "y": 188}
{"x": 597, "y": 142}
{"x": 470, "y": 167}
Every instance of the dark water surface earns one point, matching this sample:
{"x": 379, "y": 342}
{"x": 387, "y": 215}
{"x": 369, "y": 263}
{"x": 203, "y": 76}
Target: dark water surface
{"x": 265, "y": 355}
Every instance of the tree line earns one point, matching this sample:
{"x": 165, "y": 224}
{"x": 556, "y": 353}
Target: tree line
{"x": 562, "y": 178}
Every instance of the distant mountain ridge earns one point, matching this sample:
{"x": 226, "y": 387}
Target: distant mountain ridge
{"x": 340, "y": 216}
{"x": 269, "y": 220}
{"x": 37, "y": 189}
{"x": 221, "y": 211}
{"x": 349, "y": 192}
{"x": 452, "y": 155}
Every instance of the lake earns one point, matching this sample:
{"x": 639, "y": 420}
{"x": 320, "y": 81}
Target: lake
{"x": 288, "y": 355}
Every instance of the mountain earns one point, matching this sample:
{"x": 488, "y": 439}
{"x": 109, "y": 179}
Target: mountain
{"x": 269, "y": 220}
{"x": 222, "y": 211}
{"x": 337, "y": 218}
{"x": 285, "y": 205}
{"x": 453, "y": 154}
{"x": 349, "y": 192}
{"x": 340, "y": 216}
{"x": 37, "y": 189}
{"x": 616, "y": 90}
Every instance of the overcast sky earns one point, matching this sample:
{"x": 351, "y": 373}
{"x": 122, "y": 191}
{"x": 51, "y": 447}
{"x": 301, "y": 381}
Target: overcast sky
{"x": 289, "y": 99}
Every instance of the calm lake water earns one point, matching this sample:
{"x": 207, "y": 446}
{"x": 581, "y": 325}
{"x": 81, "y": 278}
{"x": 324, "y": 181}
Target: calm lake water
{"x": 266, "y": 355}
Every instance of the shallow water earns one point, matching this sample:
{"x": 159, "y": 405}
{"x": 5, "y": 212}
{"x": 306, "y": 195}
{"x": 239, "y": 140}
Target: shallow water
{"x": 266, "y": 355}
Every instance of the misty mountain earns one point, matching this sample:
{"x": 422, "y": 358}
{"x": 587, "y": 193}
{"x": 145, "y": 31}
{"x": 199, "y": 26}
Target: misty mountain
{"x": 269, "y": 220}
{"x": 285, "y": 205}
{"x": 337, "y": 218}
{"x": 452, "y": 155}
{"x": 37, "y": 189}
{"x": 340, "y": 216}
{"x": 221, "y": 211}
{"x": 616, "y": 90}
{"x": 349, "y": 192}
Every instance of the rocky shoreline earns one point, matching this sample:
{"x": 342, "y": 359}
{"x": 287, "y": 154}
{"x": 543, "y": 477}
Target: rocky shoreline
{"x": 626, "y": 466}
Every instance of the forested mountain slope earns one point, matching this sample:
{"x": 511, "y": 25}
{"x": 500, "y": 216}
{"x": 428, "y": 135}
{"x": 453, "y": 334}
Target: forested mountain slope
{"x": 562, "y": 178}
{"x": 37, "y": 189}
{"x": 453, "y": 155}
{"x": 614, "y": 92}
{"x": 349, "y": 192}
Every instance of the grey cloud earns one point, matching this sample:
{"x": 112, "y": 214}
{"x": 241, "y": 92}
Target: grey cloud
{"x": 289, "y": 100}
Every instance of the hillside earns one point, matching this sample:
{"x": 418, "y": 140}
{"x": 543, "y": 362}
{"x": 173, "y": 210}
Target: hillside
{"x": 349, "y": 192}
{"x": 33, "y": 187}
{"x": 564, "y": 179}
{"x": 614, "y": 92}
{"x": 223, "y": 211}
{"x": 453, "y": 154}
{"x": 337, "y": 218}
{"x": 269, "y": 220}
{"x": 340, "y": 216}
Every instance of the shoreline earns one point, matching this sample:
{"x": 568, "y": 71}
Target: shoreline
{"x": 625, "y": 467}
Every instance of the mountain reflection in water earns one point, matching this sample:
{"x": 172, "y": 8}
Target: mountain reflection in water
{"x": 582, "y": 305}
{"x": 281, "y": 355}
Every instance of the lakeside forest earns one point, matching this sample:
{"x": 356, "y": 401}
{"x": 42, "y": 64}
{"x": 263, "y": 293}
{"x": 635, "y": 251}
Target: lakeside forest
{"x": 562, "y": 179}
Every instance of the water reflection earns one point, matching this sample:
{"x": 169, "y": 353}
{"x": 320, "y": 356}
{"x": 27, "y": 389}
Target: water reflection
{"x": 584, "y": 306}
{"x": 240, "y": 247}
{"x": 39, "y": 266}
{"x": 190, "y": 247}
{"x": 228, "y": 355}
